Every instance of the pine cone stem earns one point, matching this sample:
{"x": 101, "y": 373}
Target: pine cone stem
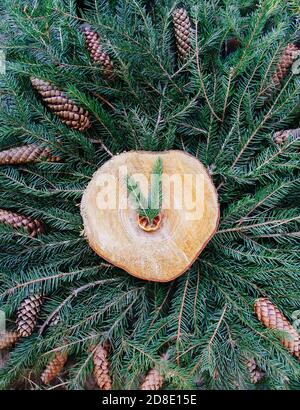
{"x": 69, "y": 113}
{"x": 54, "y": 367}
{"x": 33, "y": 226}
{"x": 272, "y": 318}
{"x": 26, "y": 154}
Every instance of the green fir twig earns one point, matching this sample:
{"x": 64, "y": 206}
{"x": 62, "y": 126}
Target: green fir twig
{"x": 150, "y": 207}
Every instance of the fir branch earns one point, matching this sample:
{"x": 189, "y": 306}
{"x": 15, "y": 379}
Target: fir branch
{"x": 148, "y": 208}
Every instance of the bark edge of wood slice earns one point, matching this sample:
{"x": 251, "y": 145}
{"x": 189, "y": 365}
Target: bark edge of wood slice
{"x": 115, "y": 236}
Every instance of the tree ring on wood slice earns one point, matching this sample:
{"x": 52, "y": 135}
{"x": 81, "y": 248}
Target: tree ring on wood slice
{"x": 144, "y": 223}
{"x": 189, "y": 215}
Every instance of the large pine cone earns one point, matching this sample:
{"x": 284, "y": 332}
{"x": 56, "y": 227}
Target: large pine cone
{"x": 33, "y": 226}
{"x": 97, "y": 53}
{"x": 70, "y": 114}
{"x": 54, "y": 367}
{"x": 288, "y": 57}
{"x": 27, "y": 314}
{"x": 101, "y": 368}
{"x": 153, "y": 381}
{"x": 8, "y": 339}
{"x": 272, "y": 318}
{"x": 256, "y": 375}
{"x": 26, "y": 154}
{"x": 182, "y": 25}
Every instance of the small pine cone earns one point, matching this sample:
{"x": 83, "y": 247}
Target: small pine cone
{"x": 272, "y": 318}
{"x": 101, "y": 368}
{"x": 153, "y": 381}
{"x": 8, "y": 339}
{"x": 26, "y": 154}
{"x": 280, "y": 137}
{"x": 289, "y": 55}
{"x": 256, "y": 375}
{"x": 97, "y": 53}
{"x": 69, "y": 113}
{"x": 33, "y": 226}
{"x": 182, "y": 26}
{"x": 27, "y": 315}
{"x": 54, "y": 367}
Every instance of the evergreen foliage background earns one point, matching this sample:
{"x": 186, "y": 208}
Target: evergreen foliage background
{"x": 211, "y": 106}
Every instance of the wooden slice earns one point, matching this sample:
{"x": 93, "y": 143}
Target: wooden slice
{"x": 189, "y": 214}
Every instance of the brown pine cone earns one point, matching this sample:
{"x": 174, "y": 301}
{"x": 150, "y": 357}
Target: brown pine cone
{"x": 33, "y": 226}
{"x": 27, "y": 314}
{"x": 289, "y": 55}
{"x": 8, "y": 339}
{"x": 182, "y": 26}
{"x": 272, "y": 318}
{"x": 101, "y": 368}
{"x": 26, "y": 154}
{"x": 69, "y": 113}
{"x": 153, "y": 381}
{"x": 97, "y": 53}
{"x": 256, "y": 375}
{"x": 280, "y": 137}
{"x": 54, "y": 367}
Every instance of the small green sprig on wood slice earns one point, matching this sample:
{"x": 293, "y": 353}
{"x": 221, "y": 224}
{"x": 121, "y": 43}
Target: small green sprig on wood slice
{"x": 148, "y": 207}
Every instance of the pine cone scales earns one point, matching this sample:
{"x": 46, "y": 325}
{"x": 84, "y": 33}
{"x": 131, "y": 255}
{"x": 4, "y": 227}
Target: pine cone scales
{"x": 97, "y": 53}
{"x": 26, "y": 154}
{"x": 27, "y": 315}
{"x": 289, "y": 55}
{"x": 54, "y": 367}
{"x": 272, "y": 318}
{"x": 182, "y": 25}
{"x": 33, "y": 226}
{"x": 152, "y": 381}
{"x": 8, "y": 339}
{"x": 101, "y": 368}
{"x": 256, "y": 375}
{"x": 69, "y": 113}
{"x": 280, "y": 137}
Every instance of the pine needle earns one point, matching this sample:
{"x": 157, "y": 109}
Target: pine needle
{"x": 150, "y": 207}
